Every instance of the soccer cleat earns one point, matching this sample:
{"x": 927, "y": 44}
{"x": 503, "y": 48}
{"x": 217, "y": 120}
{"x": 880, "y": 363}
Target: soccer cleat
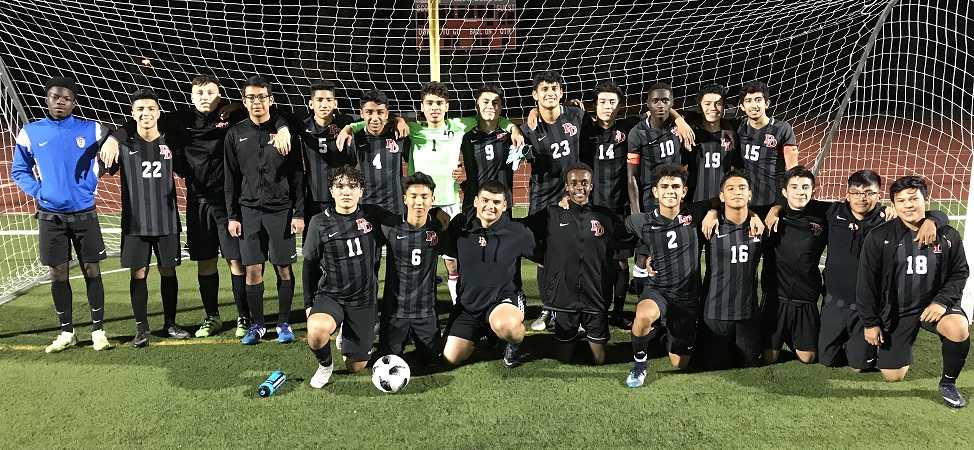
{"x": 952, "y": 397}
{"x": 512, "y": 357}
{"x": 99, "y": 341}
{"x": 619, "y": 320}
{"x": 637, "y": 375}
{"x": 322, "y": 376}
{"x": 175, "y": 332}
{"x": 254, "y": 333}
{"x": 541, "y": 323}
{"x": 242, "y": 325}
{"x": 209, "y": 327}
{"x": 62, "y": 342}
{"x": 141, "y": 338}
{"x": 284, "y": 333}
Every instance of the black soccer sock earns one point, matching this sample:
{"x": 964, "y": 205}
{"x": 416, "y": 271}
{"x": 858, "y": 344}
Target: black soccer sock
{"x": 620, "y": 290}
{"x": 323, "y": 354}
{"x": 255, "y": 300}
{"x": 238, "y": 284}
{"x": 955, "y": 355}
{"x": 285, "y": 296}
{"x": 61, "y": 292}
{"x": 169, "y": 288}
{"x": 209, "y": 289}
{"x": 639, "y": 346}
{"x": 96, "y": 302}
{"x": 139, "y": 294}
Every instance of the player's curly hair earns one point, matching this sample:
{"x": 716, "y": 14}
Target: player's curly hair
{"x": 321, "y": 85}
{"x": 669, "y": 170}
{"x": 609, "y": 87}
{"x": 548, "y": 76}
{"x": 908, "y": 182}
{"x": 735, "y": 173}
{"x": 798, "y": 171}
{"x": 435, "y": 88}
{"x": 349, "y": 173}
{"x": 65, "y": 82}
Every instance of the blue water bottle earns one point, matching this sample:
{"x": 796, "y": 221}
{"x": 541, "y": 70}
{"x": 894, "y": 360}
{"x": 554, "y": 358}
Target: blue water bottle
{"x": 271, "y": 384}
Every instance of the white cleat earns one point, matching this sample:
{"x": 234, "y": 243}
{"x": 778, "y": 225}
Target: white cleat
{"x": 61, "y": 343}
{"x": 99, "y": 341}
{"x": 322, "y": 376}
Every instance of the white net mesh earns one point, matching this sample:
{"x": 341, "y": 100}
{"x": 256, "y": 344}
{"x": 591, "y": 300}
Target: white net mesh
{"x": 909, "y": 113}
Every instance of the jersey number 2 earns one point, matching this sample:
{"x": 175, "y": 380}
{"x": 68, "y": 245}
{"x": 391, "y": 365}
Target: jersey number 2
{"x": 151, "y": 169}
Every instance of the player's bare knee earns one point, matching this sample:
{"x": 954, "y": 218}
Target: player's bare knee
{"x": 92, "y": 270}
{"x": 954, "y": 328}
{"x": 255, "y": 274}
{"x": 806, "y": 357}
{"x": 894, "y": 375}
{"x": 355, "y": 366}
{"x": 236, "y": 268}
{"x": 206, "y": 267}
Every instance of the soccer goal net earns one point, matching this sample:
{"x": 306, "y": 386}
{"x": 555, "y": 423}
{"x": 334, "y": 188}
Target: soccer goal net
{"x": 880, "y": 84}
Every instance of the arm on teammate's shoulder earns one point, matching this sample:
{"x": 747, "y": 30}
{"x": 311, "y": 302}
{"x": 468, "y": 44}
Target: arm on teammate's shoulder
{"x": 380, "y": 215}
{"x": 957, "y": 270}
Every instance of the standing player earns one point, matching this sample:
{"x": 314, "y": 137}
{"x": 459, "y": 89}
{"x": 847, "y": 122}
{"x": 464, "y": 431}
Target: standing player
{"x": 320, "y": 152}
{"x": 265, "y": 201}
{"x": 578, "y": 245}
{"x": 486, "y": 149}
{"x": 672, "y": 296}
{"x": 653, "y": 142}
{"x": 339, "y": 278}
{"x": 150, "y": 221}
{"x": 603, "y": 141}
{"x": 54, "y": 163}
{"x": 200, "y": 130}
{"x": 409, "y": 300}
{"x": 487, "y": 245}
{"x": 379, "y": 154}
{"x": 714, "y": 151}
{"x": 767, "y": 146}
{"x": 903, "y": 287}
{"x": 730, "y": 312}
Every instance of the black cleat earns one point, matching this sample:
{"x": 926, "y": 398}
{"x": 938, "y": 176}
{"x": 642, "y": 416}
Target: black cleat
{"x": 175, "y": 332}
{"x": 952, "y": 398}
{"x": 619, "y": 320}
{"x": 141, "y": 338}
{"x": 512, "y": 357}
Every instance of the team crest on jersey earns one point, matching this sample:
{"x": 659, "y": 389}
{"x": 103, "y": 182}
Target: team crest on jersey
{"x": 392, "y": 146}
{"x": 569, "y": 129}
{"x": 482, "y": 241}
{"x": 222, "y": 124}
{"x": 770, "y": 141}
{"x": 501, "y": 136}
{"x": 322, "y": 145}
{"x": 725, "y": 144}
{"x": 432, "y": 238}
{"x": 80, "y": 140}
{"x": 597, "y": 229}
{"x": 620, "y": 136}
{"x": 674, "y": 132}
{"x": 685, "y": 219}
{"x": 164, "y": 151}
{"x": 815, "y": 228}
{"x": 332, "y": 130}
{"x": 363, "y": 225}
{"x": 853, "y": 226}
{"x": 937, "y": 249}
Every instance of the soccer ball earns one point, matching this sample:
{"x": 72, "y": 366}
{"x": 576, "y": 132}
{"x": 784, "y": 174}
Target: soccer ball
{"x": 390, "y": 374}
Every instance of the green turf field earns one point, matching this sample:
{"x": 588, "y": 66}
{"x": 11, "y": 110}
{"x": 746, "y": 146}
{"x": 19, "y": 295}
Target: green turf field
{"x": 201, "y": 394}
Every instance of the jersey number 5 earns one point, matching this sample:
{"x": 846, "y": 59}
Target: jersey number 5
{"x": 751, "y": 152}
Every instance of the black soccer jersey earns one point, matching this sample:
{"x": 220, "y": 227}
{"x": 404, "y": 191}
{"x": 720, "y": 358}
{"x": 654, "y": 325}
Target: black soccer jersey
{"x": 380, "y": 160}
{"x": 732, "y": 264}
{"x": 321, "y": 154}
{"x": 485, "y": 159}
{"x": 259, "y": 177}
{"x": 762, "y": 151}
{"x": 554, "y": 147}
{"x": 410, "y": 283}
{"x": 674, "y": 246}
{"x": 846, "y": 235}
{"x": 342, "y": 248}
{"x": 649, "y": 147}
{"x": 604, "y": 149}
{"x": 713, "y": 155}
{"x": 148, "y": 188}
{"x": 790, "y": 269}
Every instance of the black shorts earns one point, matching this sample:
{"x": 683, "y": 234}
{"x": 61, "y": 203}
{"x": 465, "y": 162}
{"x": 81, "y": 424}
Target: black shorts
{"x": 679, "y": 317}
{"x": 840, "y": 339}
{"x": 357, "y": 324}
{"x": 472, "y": 326}
{"x": 730, "y": 343}
{"x": 266, "y": 236}
{"x": 790, "y": 322}
{"x": 897, "y": 349}
{"x": 396, "y": 332}
{"x": 57, "y": 233}
{"x": 137, "y": 251}
{"x": 206, "y": 231}
{"x": 596, "y": 326}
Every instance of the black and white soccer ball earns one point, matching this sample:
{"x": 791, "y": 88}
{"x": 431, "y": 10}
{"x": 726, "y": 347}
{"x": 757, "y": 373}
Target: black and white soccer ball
{"x": 390, "y": 374}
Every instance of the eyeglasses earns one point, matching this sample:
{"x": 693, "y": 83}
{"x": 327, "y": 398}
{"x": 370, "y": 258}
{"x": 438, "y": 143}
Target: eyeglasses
{"x": 256, "y": 98}
{"x": 870, "y": 194}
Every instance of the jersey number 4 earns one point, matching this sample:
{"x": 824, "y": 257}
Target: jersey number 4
{"x": 151, "y": 169}
{"x": 607, "y": 153}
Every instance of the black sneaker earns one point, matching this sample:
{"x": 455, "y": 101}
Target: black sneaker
{"x": 512, "y": 358}
{"x": 619, "y": 320}
{"x": 141, "y": 338}
{"x": 952, "y": 398}
{"x": 175, "y": 332}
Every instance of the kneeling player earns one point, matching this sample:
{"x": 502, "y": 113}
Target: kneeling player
{"x": 150, "y": 222}
{"x": 488, "y": 246}
{"x": 410, "y": 286}
{"x": 903, "y": 287}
